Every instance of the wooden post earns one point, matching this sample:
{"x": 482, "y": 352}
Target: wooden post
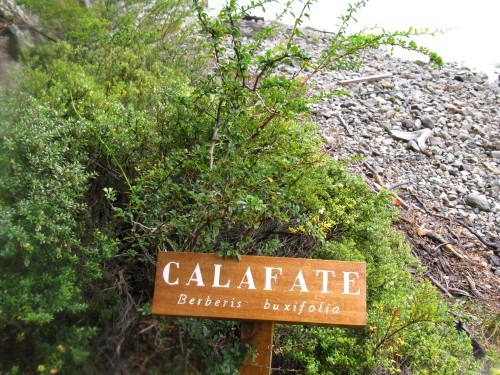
{"x": 260, "y": 336}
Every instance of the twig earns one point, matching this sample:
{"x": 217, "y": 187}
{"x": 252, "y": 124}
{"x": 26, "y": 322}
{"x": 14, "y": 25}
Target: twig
{"x": 446, "y": 244}
{"x": 426, "y": 209}
{"x": 376, "y": 77}
{"x": 376, "y": 176}
{"x": 319, "y": 31}
{"x": 344, "y": 124}
{"x": 379, "y": 181}
{"x": 394, "y": 186}
{"x": 214, "y": 135}
{"x": 493, "y": 245}
{"x": 452, "y": 232}
{"x": 472, "y": 286}
{"x": 435, "y": 282}
{"x": 408, "y": 221}
{"x": 147, "y": 328}
{"x": 426, "y": 134}
{"x": 459, "y": 292}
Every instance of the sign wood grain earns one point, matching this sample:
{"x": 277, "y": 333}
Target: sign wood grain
{"x": 288, "y": 290}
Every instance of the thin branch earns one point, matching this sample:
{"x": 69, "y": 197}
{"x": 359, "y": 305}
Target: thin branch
{"x": 344, "y": 124}
{"x": 435, "y": 282}
{"x": 493, "y": 245}
{"x": 236, "y": 48}
{"x": 215, "y": 134}
{"x": 261, "y": 127}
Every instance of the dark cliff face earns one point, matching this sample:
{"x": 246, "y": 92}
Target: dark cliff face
{"x": 11, "y": 43}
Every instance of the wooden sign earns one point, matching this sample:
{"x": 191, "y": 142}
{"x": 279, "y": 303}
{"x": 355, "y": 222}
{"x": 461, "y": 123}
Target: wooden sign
{"x": 258, "y": 288}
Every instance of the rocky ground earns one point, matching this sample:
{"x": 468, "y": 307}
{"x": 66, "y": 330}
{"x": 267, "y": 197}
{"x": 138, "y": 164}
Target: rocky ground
{"x": 432, "y": 135}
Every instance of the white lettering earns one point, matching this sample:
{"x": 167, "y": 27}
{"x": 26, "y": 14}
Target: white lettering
{"x": 302, "y": 306}
{"x": 270, "y": 276}
{"x": 302, "y": 283}
{"x": 196, "y": 276}
{"x": 248, "y": 276}
{"x": 217, "y": 278}
{"x": 182, "y": 299}
{"x": 166, "y": 274}
{"x": 348, "y": 282}
{"x": 325, "y": 278}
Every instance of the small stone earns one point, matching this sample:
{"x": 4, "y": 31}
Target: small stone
{"x": 427, "y": 122}
{"x": 385, "y": 125}
{"x": 436, "y": 141}
{"x": 374, "y": 129}
{"x": 451, "y": 108}
{"x": 478, "y": 201}
{"x": 390, "y": 114}
{"x": 328, "y": 114}
{"x": 408, "y": 124}
{"x": 442, "y": 121}
{"x": 412, "y": 145}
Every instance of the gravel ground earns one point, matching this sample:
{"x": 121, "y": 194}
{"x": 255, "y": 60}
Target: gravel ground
{"x": 433, "y": 136}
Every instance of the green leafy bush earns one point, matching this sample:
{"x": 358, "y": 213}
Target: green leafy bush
{"x": 133, "y": 136}
{"x": 81, "y": 119}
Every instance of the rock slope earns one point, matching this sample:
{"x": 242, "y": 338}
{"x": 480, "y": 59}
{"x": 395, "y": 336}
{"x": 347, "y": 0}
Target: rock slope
{"x": 433, "y": 136}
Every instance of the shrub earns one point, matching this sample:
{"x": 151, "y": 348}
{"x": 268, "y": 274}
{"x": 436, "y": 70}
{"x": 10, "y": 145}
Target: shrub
{"x": 120, "y": 144}
{"x": 74, "y": 125}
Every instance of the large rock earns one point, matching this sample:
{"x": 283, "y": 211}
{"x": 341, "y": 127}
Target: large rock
{"x": 478, "y": 201}
{"x": 17, "y": 28}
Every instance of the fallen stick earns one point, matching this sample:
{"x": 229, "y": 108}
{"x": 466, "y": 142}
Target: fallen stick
{"x": 376, "y": 176}
{"x": 378, "y": 180}
{"x": 344, "y": 124}
{"x": 422, "y": 138}
{"x": 459, "y": 292}
{"x": 446, "y": 244}
{"x": 492, "y": 245}
{"x": 425, "y": 208}
{"x": 435, "y": 282}
{"x": 451, "y": 249}
{"x": 472, "y": 286}
{"x": 406, "y": 182}
{"x": 418, "y": 137}
{"x": 366, "y": 79}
